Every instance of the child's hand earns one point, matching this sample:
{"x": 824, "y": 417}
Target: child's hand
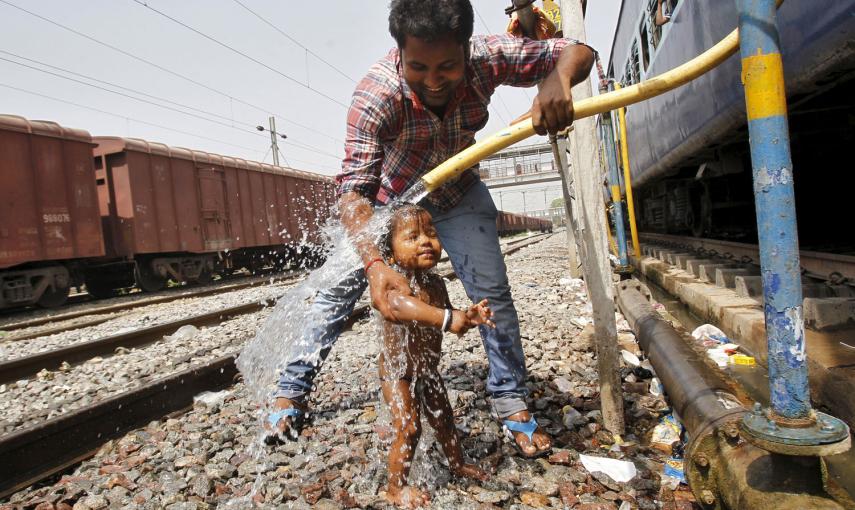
{"x": 476, "y": 315}
{"x": 480, "y": 313}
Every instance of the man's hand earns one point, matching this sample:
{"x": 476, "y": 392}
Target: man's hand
{"x": 381, "y": 281}
{"x": 552, "y": 109}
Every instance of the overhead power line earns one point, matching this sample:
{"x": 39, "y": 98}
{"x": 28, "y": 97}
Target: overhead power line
{"x": 301, "y": 145}
{"x": 113, "y": 114}
{"x": 238, "y": 52}
{"x": 298, "y": 43}
{"x": 159, "y": 126}
{"x": 73, "y": 73}
{"x": 169, "y": 71}
{"x": 146, "y": 101}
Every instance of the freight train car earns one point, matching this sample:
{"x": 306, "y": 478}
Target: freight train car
{"x": 49, "y": 219}
{"x": 689, "y": 152}
{"x": 116, "y": 212}
{"x": 184, "y": 215}
{"x": 510, "y": 223}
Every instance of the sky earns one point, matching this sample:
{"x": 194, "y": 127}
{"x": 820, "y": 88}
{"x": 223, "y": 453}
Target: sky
{"x": 206, "y": 77}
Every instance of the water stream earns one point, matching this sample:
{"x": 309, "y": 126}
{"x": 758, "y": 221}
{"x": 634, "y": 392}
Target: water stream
{"x": 287, "y": 330}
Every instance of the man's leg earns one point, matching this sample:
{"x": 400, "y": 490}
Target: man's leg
{"x": 468, "y": 234}
{"x": 330, "y": 312}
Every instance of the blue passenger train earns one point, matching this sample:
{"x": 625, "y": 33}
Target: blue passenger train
{"x": 688, "y": 148}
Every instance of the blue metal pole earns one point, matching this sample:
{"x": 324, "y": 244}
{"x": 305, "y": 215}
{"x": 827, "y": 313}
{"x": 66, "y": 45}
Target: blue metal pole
{"x": 614, "y": 185}
{"x": 762, "y": 76}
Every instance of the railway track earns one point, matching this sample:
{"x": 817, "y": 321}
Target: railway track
{"x": 830, "y": 267}
{"x": 106, "y": 313}
{"x": 36, "y": 452}
{"x": 130, "y": 305}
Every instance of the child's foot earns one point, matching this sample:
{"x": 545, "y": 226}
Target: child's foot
{"x": 470, "y": 471}
{"x": 406, "y": 497}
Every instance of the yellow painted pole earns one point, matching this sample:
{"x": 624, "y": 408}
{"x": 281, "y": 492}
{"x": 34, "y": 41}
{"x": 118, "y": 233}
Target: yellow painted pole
{"x": 612, "y": 245}
{"x": 523, "y": 129}
{"x": 627, "y": 179}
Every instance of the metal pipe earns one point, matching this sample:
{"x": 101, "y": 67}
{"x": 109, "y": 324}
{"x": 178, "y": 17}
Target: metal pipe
{"x": 693, "y": 389}
{"x": 791, "y": 426}
{"x": 627, "y": 178}
{"x": 766, "y": 105}
{"x": 607, "y": 134}
{"x": 723, "y": 470}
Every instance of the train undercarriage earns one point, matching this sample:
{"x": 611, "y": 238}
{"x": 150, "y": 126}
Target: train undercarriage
{"x": 711, "y": 195}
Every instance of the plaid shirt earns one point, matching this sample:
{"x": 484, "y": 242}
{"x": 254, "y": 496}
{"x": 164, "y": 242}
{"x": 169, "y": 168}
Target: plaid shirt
{"x": 392, "y": 139}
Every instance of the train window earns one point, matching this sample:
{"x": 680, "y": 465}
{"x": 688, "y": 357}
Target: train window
{"x": 645, "y": 51}
{"x": 633, "y": 62}
{"x": 653, "y": 29}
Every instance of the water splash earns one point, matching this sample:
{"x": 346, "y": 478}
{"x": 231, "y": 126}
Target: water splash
{"x": 293, "y": 324}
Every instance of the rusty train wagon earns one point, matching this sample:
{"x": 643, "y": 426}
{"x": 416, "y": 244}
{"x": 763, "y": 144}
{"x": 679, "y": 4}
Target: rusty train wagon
{"x": 180, "y": 214}
{"x": 510, "y": 223}
{"x": 49, "y": 219}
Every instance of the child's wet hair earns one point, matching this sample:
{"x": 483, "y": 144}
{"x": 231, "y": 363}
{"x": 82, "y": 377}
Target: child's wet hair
{"x": 399, "y": 212}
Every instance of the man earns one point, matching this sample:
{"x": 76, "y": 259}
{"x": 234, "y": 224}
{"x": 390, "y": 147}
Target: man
{"x": 417, "y": 107}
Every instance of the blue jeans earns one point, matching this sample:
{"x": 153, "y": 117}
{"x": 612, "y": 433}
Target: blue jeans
{"x": 468, "y": 234}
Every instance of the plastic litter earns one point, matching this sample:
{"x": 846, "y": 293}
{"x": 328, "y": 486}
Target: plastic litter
{"x": 666, "y": 433}
{"x": 620, "y": 471}
{"x": 672, "y": 473}
{"x": 710, "y": 332}
{"x": 656, "y": 387}
{"x": 742, "y": 359}
{"x": 630, "y": 358}
{"x": 719, "y": 356}
{"x": 211, "y": 398}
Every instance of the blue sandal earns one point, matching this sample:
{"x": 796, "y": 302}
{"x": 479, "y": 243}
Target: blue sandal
{"x": 528, "y": 428}
{"x": 274, "y": 435}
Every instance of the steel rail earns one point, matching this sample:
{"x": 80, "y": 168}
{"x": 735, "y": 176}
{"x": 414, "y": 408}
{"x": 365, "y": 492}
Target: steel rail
{"x": 821, "y": 265}
{"x": 37, "y": 452}
{"x": 119, "y": 307}
{"x": 140, "y": 303}
{"x": 26, "y": 366}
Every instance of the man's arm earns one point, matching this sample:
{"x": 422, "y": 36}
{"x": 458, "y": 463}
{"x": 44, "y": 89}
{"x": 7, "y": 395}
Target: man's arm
{"x": 552, "y": 109}
{"x": 356, "y": 214}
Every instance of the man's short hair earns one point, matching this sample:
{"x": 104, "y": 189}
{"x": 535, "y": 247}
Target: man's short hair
{"x": 431, "y": 19}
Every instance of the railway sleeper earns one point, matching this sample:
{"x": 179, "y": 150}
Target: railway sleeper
{"x": 826, "y": 307}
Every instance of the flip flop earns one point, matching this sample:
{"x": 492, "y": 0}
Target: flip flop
{"x": 274, "y": 435}
{"x": 528, "y": 428}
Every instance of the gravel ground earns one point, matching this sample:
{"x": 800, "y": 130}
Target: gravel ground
{"x": 205, "y": 458}
{"x": 144, "y": 316}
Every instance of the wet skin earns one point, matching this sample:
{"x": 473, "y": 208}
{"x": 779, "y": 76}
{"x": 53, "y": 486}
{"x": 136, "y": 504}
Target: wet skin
{"x": 409, "y": 363}
{"x": 416, "y": 247}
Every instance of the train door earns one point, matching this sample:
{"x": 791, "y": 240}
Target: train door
{"x": 213, "y": 209}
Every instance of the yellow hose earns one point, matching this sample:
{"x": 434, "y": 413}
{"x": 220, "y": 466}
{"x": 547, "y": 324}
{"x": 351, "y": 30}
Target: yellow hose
{"x": 655, "y": 86}
{"x": 627, "y": 179}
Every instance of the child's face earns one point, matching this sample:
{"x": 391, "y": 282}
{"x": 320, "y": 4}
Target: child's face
{"x": 415, "y": 245}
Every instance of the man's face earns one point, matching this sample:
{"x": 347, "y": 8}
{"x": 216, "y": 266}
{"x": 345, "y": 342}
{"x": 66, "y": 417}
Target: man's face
{"x": 433, "y": 69}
